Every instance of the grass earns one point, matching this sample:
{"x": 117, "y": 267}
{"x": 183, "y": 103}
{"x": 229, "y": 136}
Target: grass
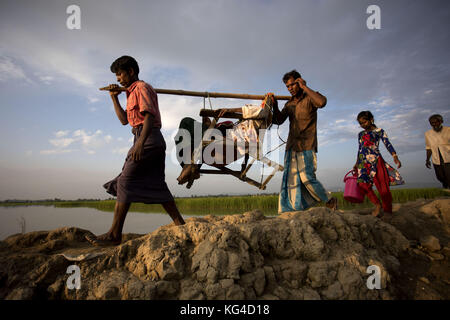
{"x": 236, "y": 204}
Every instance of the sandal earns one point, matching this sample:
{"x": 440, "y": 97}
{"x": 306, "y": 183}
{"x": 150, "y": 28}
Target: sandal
{"x": 98, "y": 242}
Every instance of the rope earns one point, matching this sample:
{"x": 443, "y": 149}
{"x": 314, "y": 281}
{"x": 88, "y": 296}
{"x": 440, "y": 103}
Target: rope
{"x": 209, "y": 99}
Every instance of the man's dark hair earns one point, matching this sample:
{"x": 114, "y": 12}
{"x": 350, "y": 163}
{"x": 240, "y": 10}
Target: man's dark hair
{"x": 125, "y": 63}
{"x": 291, "y": 74}
{"x": 437, "y": 117}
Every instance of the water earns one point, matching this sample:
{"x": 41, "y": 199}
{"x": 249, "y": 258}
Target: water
{"x": 39, "y": 218}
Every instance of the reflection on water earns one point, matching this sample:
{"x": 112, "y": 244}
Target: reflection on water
{"x": 38, "y": 218}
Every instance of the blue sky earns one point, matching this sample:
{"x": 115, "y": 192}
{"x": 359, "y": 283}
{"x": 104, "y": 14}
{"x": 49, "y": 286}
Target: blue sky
{"x": 61, "y": 138}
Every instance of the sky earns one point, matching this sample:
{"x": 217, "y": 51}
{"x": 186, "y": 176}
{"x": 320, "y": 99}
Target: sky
{"x": 62, "y": 139}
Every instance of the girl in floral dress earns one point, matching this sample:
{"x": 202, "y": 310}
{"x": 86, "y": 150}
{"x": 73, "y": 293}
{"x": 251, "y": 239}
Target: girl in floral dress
{"x": 371, "y": 167}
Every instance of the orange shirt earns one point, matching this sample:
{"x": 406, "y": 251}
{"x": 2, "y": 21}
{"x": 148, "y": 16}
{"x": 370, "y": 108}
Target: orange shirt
{"x": 141, "y": 97}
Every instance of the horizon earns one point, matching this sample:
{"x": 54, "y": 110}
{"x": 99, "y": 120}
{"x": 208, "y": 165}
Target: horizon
{"x": 111, "y": 198}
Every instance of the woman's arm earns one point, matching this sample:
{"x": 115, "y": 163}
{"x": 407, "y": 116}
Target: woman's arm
{"x": 355, "y": 167}
{"x": 390, "y": 148}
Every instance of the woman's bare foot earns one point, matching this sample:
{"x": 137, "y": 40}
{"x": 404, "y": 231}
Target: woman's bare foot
{"x": 377, "y": 211}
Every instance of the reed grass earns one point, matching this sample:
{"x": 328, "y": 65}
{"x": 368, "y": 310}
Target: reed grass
{"x": 224, "y": 205}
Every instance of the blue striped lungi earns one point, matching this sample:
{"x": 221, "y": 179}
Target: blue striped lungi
{"x": 300, "y": 188}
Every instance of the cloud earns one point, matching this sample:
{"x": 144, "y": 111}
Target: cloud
{"x": 93, "y": 99}
{"x": 56, "y": 151}
{"x": 121, "y": 151}
{"x": 386, "y": 102}
{"x": 61, "y": 133}
{"x": 62, "y": 142}
{"x": 92, "y": 140}
{"x": 11, "y": 71}
{"x": 87, "y": 141}
{"x": 46, "y": 79}
{"x": 382, "y": 102}
{"x": 174, "y": 108}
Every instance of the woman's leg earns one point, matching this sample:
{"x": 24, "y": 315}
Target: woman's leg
{"x": 381, "y": 182}
{"x": 366, "y": 189}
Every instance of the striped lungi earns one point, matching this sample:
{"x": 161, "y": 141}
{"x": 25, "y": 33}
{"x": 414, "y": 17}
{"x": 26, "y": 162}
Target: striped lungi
{"x": 300, "y": 188}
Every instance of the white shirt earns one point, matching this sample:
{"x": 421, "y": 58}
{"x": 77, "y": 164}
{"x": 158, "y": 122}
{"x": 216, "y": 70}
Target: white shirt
{"x": 438, "y": 141}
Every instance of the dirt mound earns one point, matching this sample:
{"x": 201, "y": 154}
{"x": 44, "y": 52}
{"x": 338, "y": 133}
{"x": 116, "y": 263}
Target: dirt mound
{"x": 316, "y": 254}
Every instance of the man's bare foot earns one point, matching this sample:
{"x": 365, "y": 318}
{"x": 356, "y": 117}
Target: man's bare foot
{"x": 332, "y": 204}
{"x": 377, "y": 211}
{"x": 189, "y": 173}
{"x": 103, "y": 240}
{"x": 184, "y": 175}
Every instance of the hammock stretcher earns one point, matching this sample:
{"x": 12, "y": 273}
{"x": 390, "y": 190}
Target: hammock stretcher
{"x": 246, "y": 165}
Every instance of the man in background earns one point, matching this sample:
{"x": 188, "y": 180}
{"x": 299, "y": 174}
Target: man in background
{"x": 437, "y": 143}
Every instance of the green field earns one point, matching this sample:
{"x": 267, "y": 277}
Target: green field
{"x": 233, "y": 205}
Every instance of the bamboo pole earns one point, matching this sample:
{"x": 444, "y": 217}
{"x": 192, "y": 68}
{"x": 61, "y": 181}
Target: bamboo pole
{"x": 208, "y": 94}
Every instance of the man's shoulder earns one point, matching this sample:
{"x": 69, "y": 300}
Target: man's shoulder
{"x": 428, "y": 132}
{"x": 144, "y": 86}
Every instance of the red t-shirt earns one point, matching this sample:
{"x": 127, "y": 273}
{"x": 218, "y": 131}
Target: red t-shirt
{"x": 141, "y": 97}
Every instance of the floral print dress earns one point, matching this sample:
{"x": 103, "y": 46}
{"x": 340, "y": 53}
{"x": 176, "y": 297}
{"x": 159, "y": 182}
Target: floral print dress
{"x": 368, "y": 155}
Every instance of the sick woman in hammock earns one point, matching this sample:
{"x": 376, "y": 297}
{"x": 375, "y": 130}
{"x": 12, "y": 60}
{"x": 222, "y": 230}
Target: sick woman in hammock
{"x": 231, "y": 141}
{"x": 371, "y": 167}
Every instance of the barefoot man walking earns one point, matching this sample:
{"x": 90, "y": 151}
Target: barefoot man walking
{"x": 300, "y": 188}
{"x": 142, "y": 178}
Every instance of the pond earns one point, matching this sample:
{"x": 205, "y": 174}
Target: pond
{"x": 39, "y": 218}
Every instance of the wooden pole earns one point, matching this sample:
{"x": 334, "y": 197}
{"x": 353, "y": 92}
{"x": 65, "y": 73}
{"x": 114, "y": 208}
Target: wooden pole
{"x": 208, "y": 94}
